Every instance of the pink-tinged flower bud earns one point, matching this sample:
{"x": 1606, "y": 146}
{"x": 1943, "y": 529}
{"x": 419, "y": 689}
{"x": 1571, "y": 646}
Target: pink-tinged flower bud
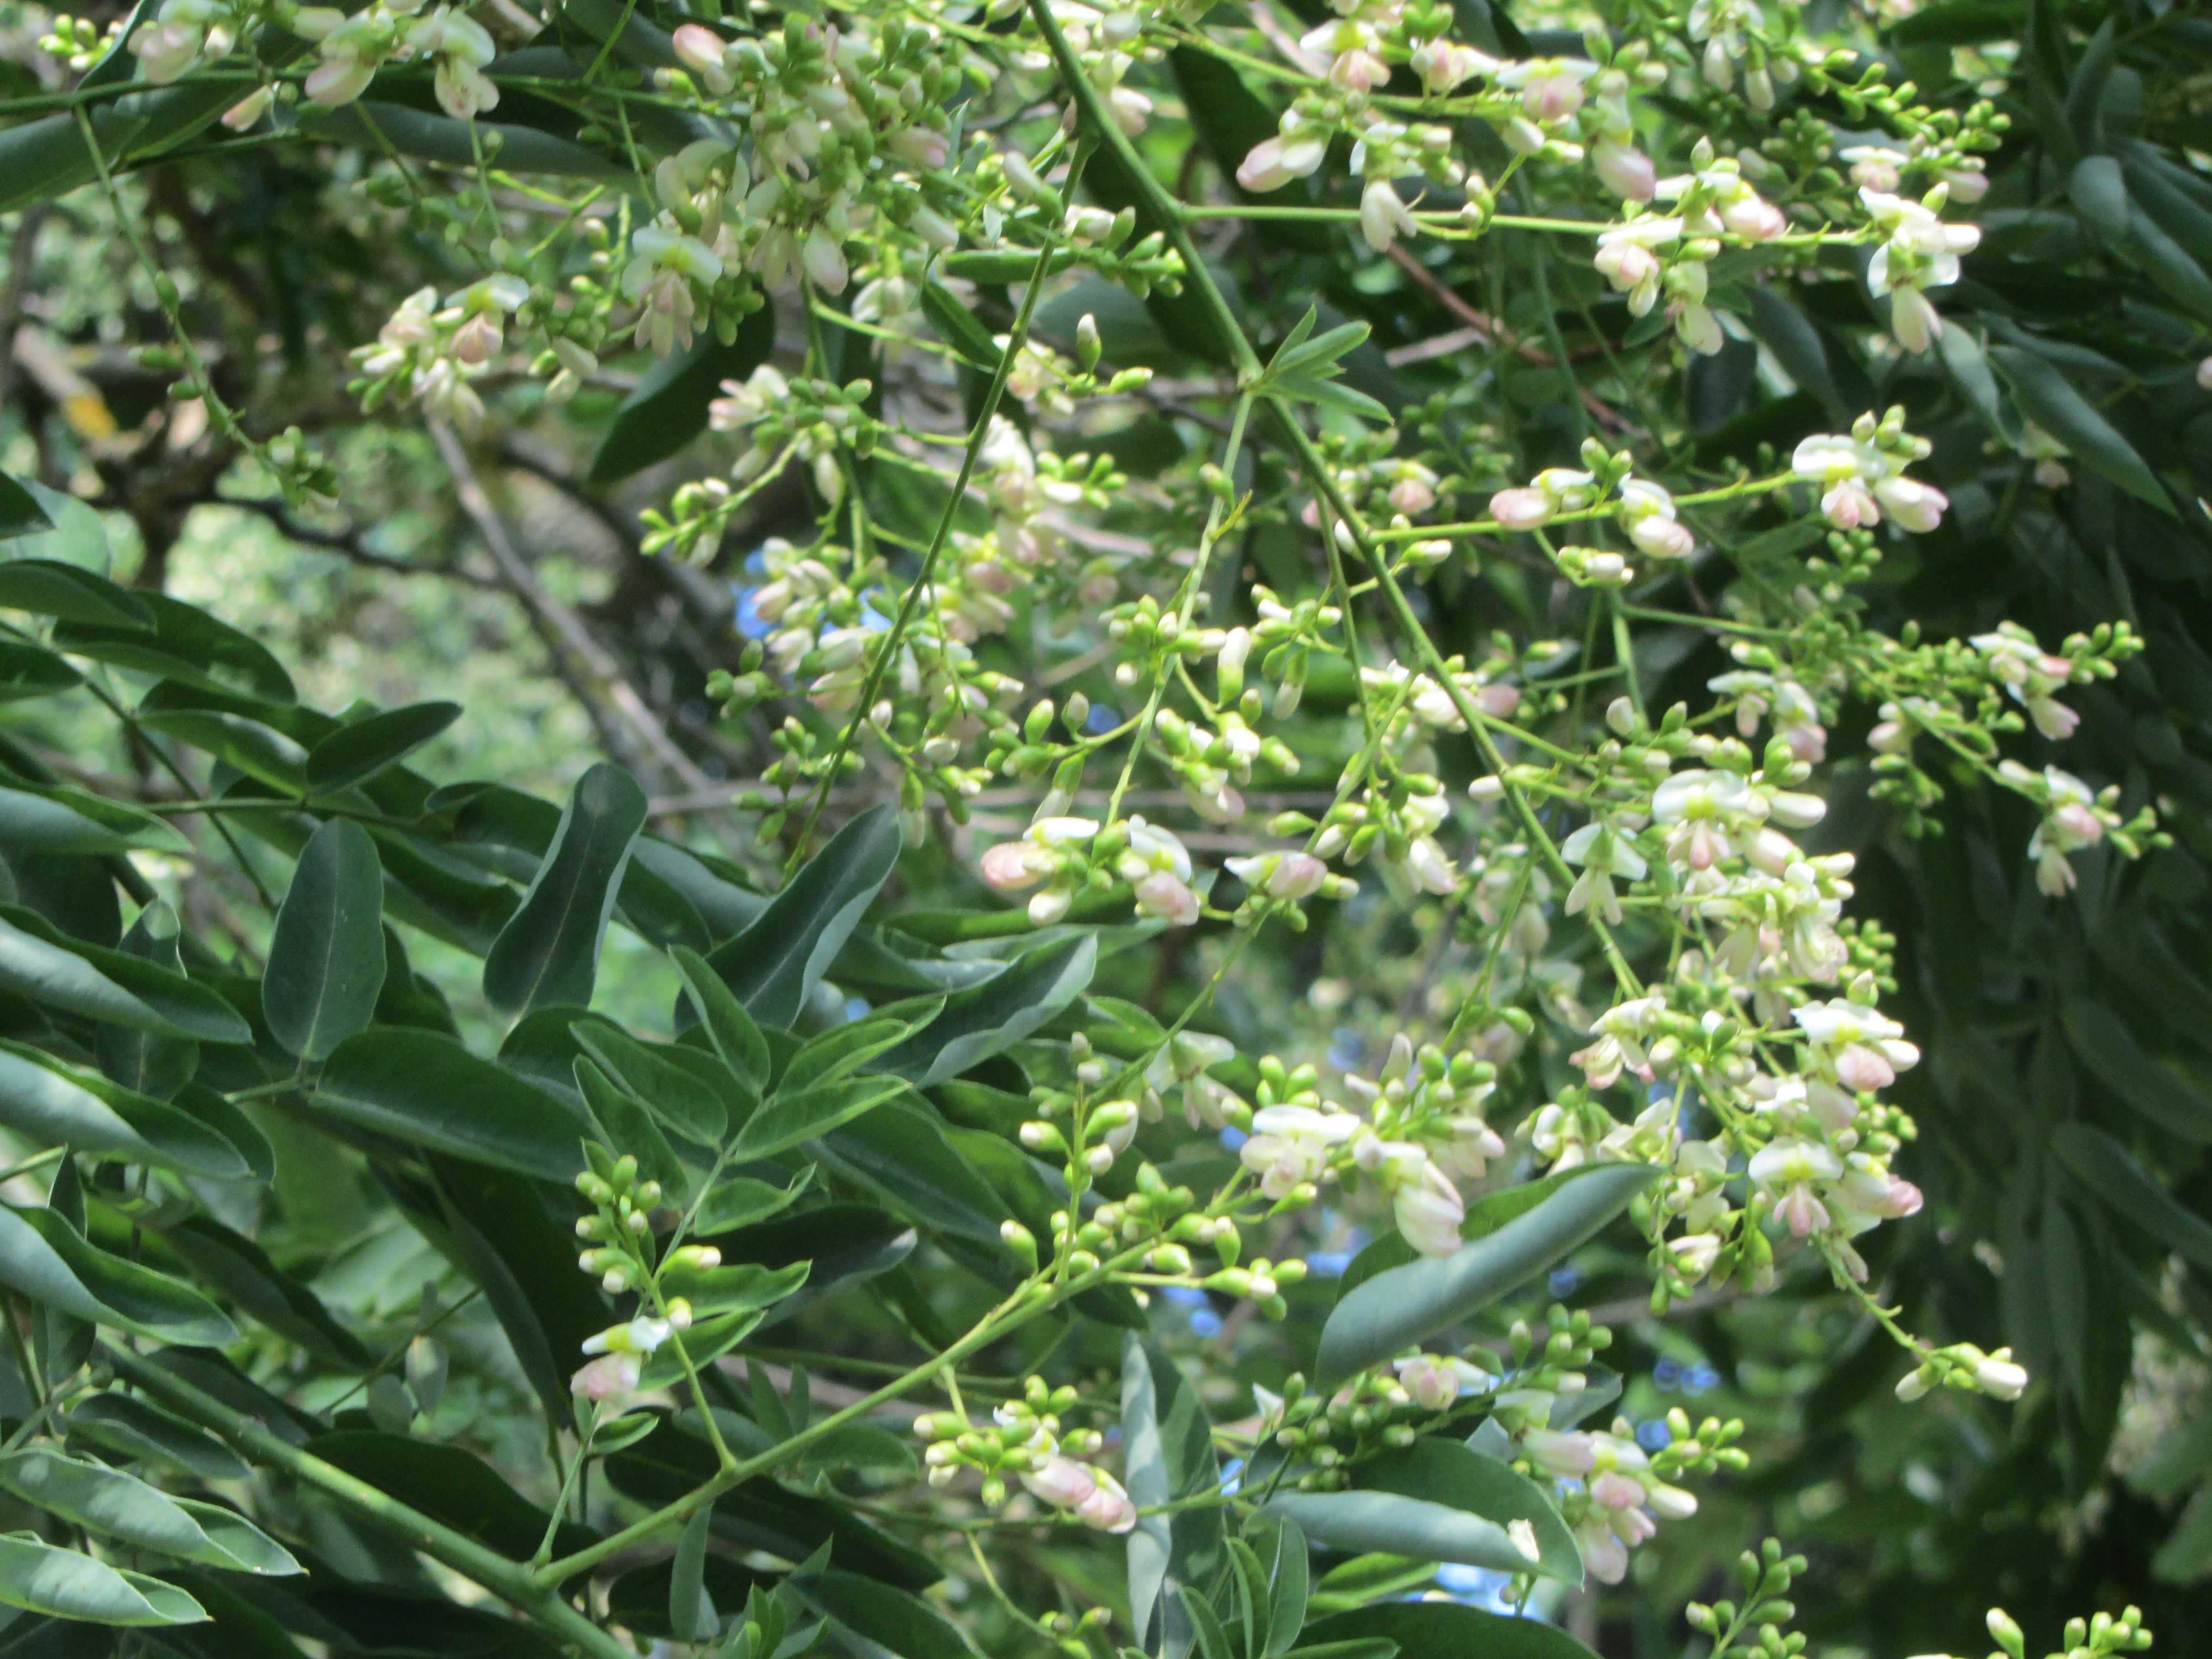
{"x": 698, "y": 48}
{"x": 1861, "y": 1068}
{"x": 1918, "y": 507}
{"x": 1663, "y": 538}
{"x": 609, "y": 1376}
{"x": 1432, "y": 1382}
{"x": 1522, "y": 509}
{"x": 1754, "y": 218}
{"x": 1848, "y": 505}
{"x": 477, "y": 339}
{"x": 339, "y": 81}
{"x": 1967, "y": 185}
{"x": 1274, "y": 162}
{"x": 1107, "y": 1508}
{"x": 1166, "y": 895}
{"x": 248, "y": 109}
{"x": 1802, "y": 1212}
{"x": 1570, "y": 1453}
{"x": 1615, "y": 1491}
{"x": 1411, "y": 495}
{"x": 824, "y": 259}
{"x": 1624, "y": 170}
{"x": 1063, "y": 1481}
{"x": 1008, "y": 865}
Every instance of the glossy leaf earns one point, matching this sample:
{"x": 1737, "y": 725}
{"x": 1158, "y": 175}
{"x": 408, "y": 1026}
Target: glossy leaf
{"x": 775, "y": 964}
{"x": 326, "y": 963}
{"x": 448, "y": 1484}
{"x": 20, "y": 512}
{"x": 63, "y": 1584}
{"x": 47, "y": 587}
{"x": 47, "y": 1101}
{"x": 241, "y": 1270}
{"x": 2108, "y": 1169}
{"x": 958, "y": 328}
{"x": 2050, "y": 400}
{"x": 1167, "y": 1450}
{"x": 991, "y": 1018}
{"x": 629, "y": 1128}
{"x": 736, "y": 1038}
{"x": 740, "y": 1201}
{"x": 784, "y": 1120}
{"x": 69, "y": 821}
{"x": 1485, "y": 1216}
{"x": 358, "y": 750}
{"x": 426, "y": 1088}
{"x": 138, "y": 1298}
{"x": 186, "y": 644}
{"x": 844, "y": 1049}
{"x": 663, "y": 1082}
{"x": 1399, "y": 1308}
{"x": 1437, "y": 1500}
{"x": 1289, "y": 1584}
{"x": 899, "y": 1150}
{"x": 691, "y": 1609}
{"x": 739, "y": 1288}
{"x": 32, "y": 671}
{"x": 145, "y": 1062}
{"x": 122, "y": 1506}
{"x": 84, "y": 979}
{"x": 40, "y": 1258}
{"x": 549, "y": 951}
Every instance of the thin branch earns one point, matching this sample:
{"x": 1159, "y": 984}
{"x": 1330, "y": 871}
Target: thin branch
{"x": 348, "y": 544}
{"x": 562, "y": 630}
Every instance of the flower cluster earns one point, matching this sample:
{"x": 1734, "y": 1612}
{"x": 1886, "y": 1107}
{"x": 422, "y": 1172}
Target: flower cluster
{"x": 1862, "y": 475}
{"x": 1024, "y": 1439}
{"x": 429, "y": 353}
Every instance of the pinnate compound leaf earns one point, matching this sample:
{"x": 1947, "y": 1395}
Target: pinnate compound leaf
{"x": 63, "y": 1585}
{"x": 358, "y": 750}
{"x": 426, "y": 1088}
{"x": 549, "y": 951}
{"x": 775, "y": 964}
{"x": 1397, "y": 1310}
{"x": 326, "y": 963}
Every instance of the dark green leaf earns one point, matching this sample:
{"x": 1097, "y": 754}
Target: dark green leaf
{"x": 736, "y": 1038}
{"x": 669, "y": 407}
{"x": 142, "y": 1061}
{"x": 44, "y": 1257}
{"x": 184, "y": 643}
{"x": 2106, "y": 1169}
{"x": 1286, "y": 1555}
{"x": 1442, "y": 1629}
{"x": 427, "y": 1088}
{"x": 2106, "y": 1046}
{"x": 357, "y": 751}
{"x": 32, "y": 671}
{"x": 47, "y": 587}
{"x": 1167, "y": 1452}
{"x": 122, "y": 1506}
{"x": 48, "y": 1102}
{"x": 435, "y": 137}
{"x": 326, "y": 963}
{"x": 989, "y": 1019}
{"x": 843, "y": 1049}
{"x": 897, "y": 1148}
{"x": 121, "y": 1426}
{"x": 241, "y": 1270}
{"x": 630, "y": 1128}
{"x": 65, "y": 820}
{"x": 106, "y": 985}
{"x": 1440, "y": 1501}
{"x": 20, "y": 512}
{"x": 1484, "y": 1217}
{"x": 784, "y": 1120}
{"x": 449, "y": 1484}
{"x": 2050, "y": 400}
{"x": 739, "y": 1201}
{"x": 691, "y": 1609}
{"x": 549, "y": 951}
{"x": 657, "y": 1077}
{"x": 889, "y": 1617}
{"x": 1399, "y": 1308}
{"x": 775, "y": 964}
{"x": 957, "y": 327}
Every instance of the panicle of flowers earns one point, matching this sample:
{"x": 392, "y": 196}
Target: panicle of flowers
{"x": 430, "y": 353}
{"x": 1862, "y": 476}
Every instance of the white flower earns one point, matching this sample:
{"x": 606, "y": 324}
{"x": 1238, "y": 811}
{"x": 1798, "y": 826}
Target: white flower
{"x": 1383, "y": 217}
{"x": 1429, "y": 1211}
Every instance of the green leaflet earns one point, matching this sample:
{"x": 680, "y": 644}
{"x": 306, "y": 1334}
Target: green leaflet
{"x": 122, "y": 1506}
{"x": 358, "y": 750}
{"x": 43, "y": 1257}
{"x": 2109, "y": 1052}
{"x": 775, "y": 964}
{"x": 1442, "y": 1629}
{"x": 784, "y": 1120}
{"x": 2105, "y": 1167}
{"x": 1396, "y": 1309}
{"x": 2050, "y": 400}
{"x": 1167, "y": 1450}
{"x": 549, "y": 951}
{"x": 63, "y": 1585}
{"x": 989, "y": 1019}
{"x": 1438, "y": 1500}
{"x": 49, "y": 1102}
{"x": 326, "y": 963}
{"x": 662, "y": 1079}
{"x": 119, "y": 1424}
{"x": 427, "y": 1088}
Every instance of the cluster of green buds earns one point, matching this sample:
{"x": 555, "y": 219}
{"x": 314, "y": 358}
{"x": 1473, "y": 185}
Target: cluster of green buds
{"x": 2084, "y": 1638}
{"x": 1047, "y": 384}
{"x": 1068, "y": 1630}
{"x": 1757, "y": 1621}
{"x": 1025, "y": 1440}
{"x": 1963, "y": 1365}
{"x": 1322, "y": 1436}
{"x": 621, "y": 1252}
{"x": 1547, "y": 1368}
{"x": 818, "y": 421}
